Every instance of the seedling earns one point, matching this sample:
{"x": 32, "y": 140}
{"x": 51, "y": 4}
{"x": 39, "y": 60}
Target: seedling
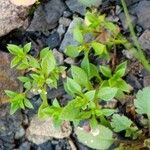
{"x": 42, "y": 73}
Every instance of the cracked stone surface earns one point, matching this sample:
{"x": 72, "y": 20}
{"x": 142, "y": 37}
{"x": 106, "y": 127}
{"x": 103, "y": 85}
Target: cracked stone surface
{"x": 8, "y": 77}
{"x": 9, "y": 126}
{"x": 40, "y": 131}
{"x": 11, "y": 16}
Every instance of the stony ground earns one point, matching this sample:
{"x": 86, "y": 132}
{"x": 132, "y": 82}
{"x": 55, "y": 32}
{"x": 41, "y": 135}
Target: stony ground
{"x": 50, "y": 24}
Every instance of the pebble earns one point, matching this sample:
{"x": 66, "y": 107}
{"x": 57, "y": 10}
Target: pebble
{"x": 40, "y": 131}
{"x": 20, "y": 133}
{"x": 68, "y": 38}
{"x": 59, "y": 57}
{"x": 143, "y": 13}
{"x": 53, "y": 40}
{"x": 64, "y": 21}
{"x": 76, "y": 7}
{"x": 144, "y": 39}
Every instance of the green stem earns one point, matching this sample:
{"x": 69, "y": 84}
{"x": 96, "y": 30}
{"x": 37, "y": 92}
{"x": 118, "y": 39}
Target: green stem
{"x": 138, "y": 51}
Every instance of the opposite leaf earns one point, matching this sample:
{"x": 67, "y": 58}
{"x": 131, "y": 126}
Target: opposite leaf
{"x": 107, "y": 93}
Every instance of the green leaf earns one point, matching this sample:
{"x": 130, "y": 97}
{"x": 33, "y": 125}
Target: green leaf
{"x": 90, "y": 95}
{"x": 73, "y": 86}
{"x": 24, "y": 79}
{"x": 14, "y": 49}
{"x": 123, "y": 86}
{"x": 85, "y": 64}
{"x": 142, "y": 101}
{"x": 44, "y": 52}
{"x": 107, "y": 93}
{"x": 27, "y": 85}
{"x": 106, "y": 71}
{"x": 56, "y": 103}
{"x": 27, "y": 47}
{"x": 94, "y": 72}
{"x": 120, "y": 70}
{"x": 11, "y": 94}
{"x": 120, "y": 123}
{"x": 34, "y": 62}
{"x": 100, "y": 138}
{"x": 80, "y": 76}
{"x": 93, "y": 122}
{"x": 70, "y": 112}
{"x": 77, "y": 34}
{"x": 48, "y": 62}
{"x": 72, "y": 51}
{"x": 14, "y": 107}
{"x": 15, "y": 61}
{"x": 99, "y": 48}
{"x": 28, "y": 104}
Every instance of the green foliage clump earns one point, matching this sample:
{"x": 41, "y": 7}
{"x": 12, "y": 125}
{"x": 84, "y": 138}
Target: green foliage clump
{"x": 88, "y": 86}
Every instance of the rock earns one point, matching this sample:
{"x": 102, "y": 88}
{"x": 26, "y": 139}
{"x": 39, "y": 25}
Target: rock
{"x": 20, "y": 133}
{"x": 134, "y": 82}
{"x": 45, "y": 146}
{"x": 68, "y": 38}
{"x": 9, "y": 124}
{"x": 131, "y": 2}
{"x": 55, "y": 93}
{"x": 25, "y": 146}
{"x": 53, "y": 40}
{"x": 128, "y": 54}
{"x": 40, "y": 131}
{"x": 61, "y": 144}
{"x": 12, "y": 17}
{"x": 146, "y": 81}
{"x": 64, "y": 21}
{"x": 46, "y": 16}
{"x": 59, "y": 57}
{"x": 144, "y": 39}
{"x": 67, "y": 14}
{"x": 61, "y": 30}
{"x": 124, "y": 20}
{"x": 8, "y": 77}
{"x": 76, "y": 6}
{"x": 143, "y": 13}
{"x": 111, "y": 104}
{"x": 70, "y": 61}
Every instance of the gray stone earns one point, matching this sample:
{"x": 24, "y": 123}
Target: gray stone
{"x": 69, "y": 61}
{"x": 9, "y": 124}
{"x": 144, "y": 40}
{"x": 131, "y": 2}
{"x": 128, "y": 54}
{"x": 53, "y": 40}
{"x": 75, "y": 6}
{"x": 146, "y": 81}
{"x": 68, "y": 38}
{"x": 64, "y": 21}
{"x": 59, "y": 57}
{"x": 67, "y": 14}
{"x": 20, "y": 133}
{"x": 61, "y": 30}
{"x": 91, "y": 3}
{"x": 124, "y": 20}
{"x": 11, "y": 16}
{"x": 55, "y": 93}
{"x": 25, "y": 146}
{"x": 143, "y": 13}
{"x": 54, "y": 10}
{"x": 46, "y": 16}
{"x": 40, "y": 131}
